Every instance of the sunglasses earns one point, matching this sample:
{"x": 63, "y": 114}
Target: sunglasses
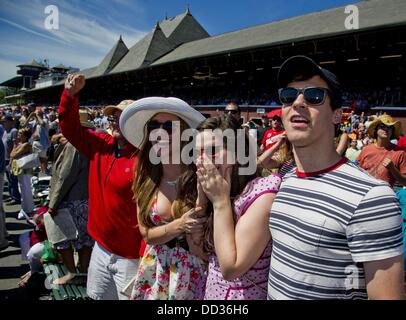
{"x": 384, "y": 127}
{"x": 231, "y": 111}
{"x": 168, "y": 126}
{"x": 313, "y": 95}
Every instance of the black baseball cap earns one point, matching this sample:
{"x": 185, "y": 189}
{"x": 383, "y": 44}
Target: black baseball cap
{"x": 302, "y": 65}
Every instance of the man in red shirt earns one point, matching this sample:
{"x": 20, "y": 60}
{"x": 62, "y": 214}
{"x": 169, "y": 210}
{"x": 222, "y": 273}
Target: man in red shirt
{"x": 383, "y": 159}
{"x": 272, "y": 136}
{"x": 112, "y": 219}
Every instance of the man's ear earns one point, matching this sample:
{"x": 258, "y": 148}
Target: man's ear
{"x": 337, "y": 114}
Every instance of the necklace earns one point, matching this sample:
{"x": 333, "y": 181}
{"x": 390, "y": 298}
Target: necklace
{"x": 172, "y": 183}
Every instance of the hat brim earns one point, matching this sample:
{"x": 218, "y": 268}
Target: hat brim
{"x": 134, "y": 118}
{"x": 87, "y": 125}
{"x": 372, "y": 127}
{"x": 109, "y": 110}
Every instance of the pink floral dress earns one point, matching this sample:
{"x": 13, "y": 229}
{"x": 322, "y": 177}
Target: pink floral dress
{"x": 253, "y": 284}
{"x": 166, "y": 273}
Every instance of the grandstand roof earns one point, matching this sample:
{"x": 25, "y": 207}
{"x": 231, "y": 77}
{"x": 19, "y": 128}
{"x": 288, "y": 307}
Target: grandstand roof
{"x": 15, "y": 82}
{"x": 145, "y": 51}
{"x": 183, "y": 28}
{"x": 61, "y": 66}
{"x": 162, "y": 39}
{"x": 372, "y": 14}
{"x": 32, "y": 63}
{"x": 183, "y": 38}
{"x": 111, "y": 59}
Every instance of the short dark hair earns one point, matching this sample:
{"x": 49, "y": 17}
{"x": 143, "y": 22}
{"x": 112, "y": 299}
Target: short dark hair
{"x": 233, "y": 103}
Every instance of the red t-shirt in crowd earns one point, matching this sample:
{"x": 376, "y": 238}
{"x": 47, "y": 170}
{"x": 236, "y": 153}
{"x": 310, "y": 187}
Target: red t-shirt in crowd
{"x": 371, "y": 158}
{"x": 402, "y": 143}
{"x": 112, "y": 219}
{"x": 270, "y": 138}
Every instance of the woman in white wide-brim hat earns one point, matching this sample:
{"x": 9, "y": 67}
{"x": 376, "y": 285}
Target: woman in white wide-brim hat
{"x": 170, "y": 268}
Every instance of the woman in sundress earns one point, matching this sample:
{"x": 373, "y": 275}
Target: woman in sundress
{"x": 170, "y": 269}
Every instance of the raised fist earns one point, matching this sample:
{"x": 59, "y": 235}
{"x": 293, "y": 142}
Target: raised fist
{"x": 74, "y": 83}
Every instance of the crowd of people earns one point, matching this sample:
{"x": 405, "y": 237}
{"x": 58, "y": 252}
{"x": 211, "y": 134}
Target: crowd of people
{"x": 320, "y": 217}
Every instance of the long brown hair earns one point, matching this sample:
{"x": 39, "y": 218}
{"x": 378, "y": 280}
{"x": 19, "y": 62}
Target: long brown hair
{"x": 187, "y": 191}
{"x": 148, "y": 177}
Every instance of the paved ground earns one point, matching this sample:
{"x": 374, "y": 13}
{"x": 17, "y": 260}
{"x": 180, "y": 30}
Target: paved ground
{"x": 12, "y": 267}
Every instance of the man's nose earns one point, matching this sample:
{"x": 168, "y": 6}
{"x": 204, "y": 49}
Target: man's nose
{"x": 299, "y": 102}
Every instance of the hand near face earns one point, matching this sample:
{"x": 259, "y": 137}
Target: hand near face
{"x": 74, "y": 83}
{"x": 201, "y": 200}
{"x": 216, "y": 183}
{"x": 193, "y": 221}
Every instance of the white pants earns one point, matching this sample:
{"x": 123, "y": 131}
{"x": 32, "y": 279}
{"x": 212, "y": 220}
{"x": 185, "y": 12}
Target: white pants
{"x": 32, "y": 255}
{"x": 27, "y": 200}
{"x": 108, "y": 274}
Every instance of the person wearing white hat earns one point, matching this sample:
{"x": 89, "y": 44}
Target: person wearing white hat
{"x": 152, "y": 125}
{"x": 112, "y": 212}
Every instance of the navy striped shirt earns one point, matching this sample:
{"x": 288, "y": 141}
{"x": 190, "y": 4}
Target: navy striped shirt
{"x": 324, "y": 227}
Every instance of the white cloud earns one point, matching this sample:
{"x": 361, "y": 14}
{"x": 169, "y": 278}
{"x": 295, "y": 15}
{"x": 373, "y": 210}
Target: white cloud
{"x": 28, "y": 30}
{"x": 81, "y": 41}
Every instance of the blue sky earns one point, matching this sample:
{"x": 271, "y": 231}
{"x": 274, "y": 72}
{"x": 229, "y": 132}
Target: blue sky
{"x": 88, "y": 29}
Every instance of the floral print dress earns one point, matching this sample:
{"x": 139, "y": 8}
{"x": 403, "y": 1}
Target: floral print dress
{"x": 166, "y": 273}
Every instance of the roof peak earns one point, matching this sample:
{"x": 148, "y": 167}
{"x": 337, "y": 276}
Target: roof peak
{"x": 157, "y": 26}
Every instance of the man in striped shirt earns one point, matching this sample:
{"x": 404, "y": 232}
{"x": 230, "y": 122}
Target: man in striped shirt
{"x": 336, "y": 230}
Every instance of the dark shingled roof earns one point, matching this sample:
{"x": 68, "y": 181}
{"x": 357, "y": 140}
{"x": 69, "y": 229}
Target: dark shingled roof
{"x": 61, "y": 66}
{"x": 145, "y": 51}
{"x": 165, "y": 36}
{"x": 183, "y": 28}
{"x": 111, "y": 59}
{"x": 182, "y": 37}
{"x": 15, "y": 82}
{"x": 372, "y": 14}
{"x": 32, "y": 63}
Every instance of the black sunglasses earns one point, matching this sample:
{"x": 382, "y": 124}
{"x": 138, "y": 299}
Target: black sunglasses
{"x": 231, "y": 111}
{"x": 384, "y": 127}
{"x": 167, "y": 125}
{"x": 313, "y": 95}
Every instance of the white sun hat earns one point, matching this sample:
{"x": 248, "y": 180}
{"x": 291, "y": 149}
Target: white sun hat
{"x": 134, "y": 118}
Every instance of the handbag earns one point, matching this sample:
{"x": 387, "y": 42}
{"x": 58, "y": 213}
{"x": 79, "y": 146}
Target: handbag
{"x": 60, "y": 227}
{"x": 29, "y": 161}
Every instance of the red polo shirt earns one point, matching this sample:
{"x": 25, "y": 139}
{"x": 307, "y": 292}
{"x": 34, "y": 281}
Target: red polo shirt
{"x": 112, "y": 220}
{"x": 270, "y": 138}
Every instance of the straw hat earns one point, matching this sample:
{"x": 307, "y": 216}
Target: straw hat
{"x": 388, "y": 121}
{"x": 84, "y": 117}
{"x": 109, "y": 110}
{"x": 134, "y": 118}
